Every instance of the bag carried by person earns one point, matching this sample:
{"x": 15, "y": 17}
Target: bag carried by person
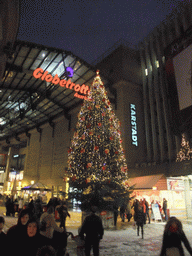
{"x": 173, "y": 251}
{"x": 134, "y": 225}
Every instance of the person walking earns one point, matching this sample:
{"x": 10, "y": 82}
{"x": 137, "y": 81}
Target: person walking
{"x": 172, "y": 238}
{"x": 63, "y": 213}
{"x": 20, "y": 207}
{"x": 140, "y": 220}
{"x": 115, "y": 213}
{"x": 165, "y": 208}
{"x": 122, "y": 212}
{"x": 147, "y": 211}
{"x": 38, "y": 209}
{"x": 129, "y": 214}
{"x": 93, "y": 229}
{"x": 135, "y": 207}
{"x": 31, "y": 207}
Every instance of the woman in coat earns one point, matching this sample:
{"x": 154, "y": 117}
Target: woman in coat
{"x": 33, "y": 239}
{"x": 49, "y": 229}
{"x": 16, "y": 233}
{"x": 140, "y": 219}
{"x": 172, "y": 238}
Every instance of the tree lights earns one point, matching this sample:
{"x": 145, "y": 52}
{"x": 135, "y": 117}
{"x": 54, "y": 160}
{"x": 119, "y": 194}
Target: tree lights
{"x": 96, "y": 155}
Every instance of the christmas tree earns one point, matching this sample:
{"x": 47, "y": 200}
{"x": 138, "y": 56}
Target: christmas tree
{"x": 96, "y": 159}
{"x": 185, "y": 152}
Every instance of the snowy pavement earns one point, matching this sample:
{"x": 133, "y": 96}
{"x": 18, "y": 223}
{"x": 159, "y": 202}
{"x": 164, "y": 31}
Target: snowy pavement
{"x": 120, "y": 241}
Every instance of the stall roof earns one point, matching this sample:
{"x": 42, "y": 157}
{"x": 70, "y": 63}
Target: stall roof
{"x": 146, "y": 182}
{"x": 36, "y": 186}
{"x": 27, "y": 102}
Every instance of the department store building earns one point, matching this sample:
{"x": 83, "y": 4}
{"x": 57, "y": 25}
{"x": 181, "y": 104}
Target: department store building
{"x": 144, "y": 87}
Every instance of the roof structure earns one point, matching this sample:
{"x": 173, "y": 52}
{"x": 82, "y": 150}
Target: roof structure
{"x": 28, "y": 102}
{"x": 149, "y": 182}
{"x": 37, "y": 186}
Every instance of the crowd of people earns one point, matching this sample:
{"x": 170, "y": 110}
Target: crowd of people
{"x": 37, "y": 234}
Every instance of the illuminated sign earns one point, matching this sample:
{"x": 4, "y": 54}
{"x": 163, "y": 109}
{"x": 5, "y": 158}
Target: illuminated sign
{"x": 133, "y": 125}
{"x": 83, "y": 89}
{"x": 69, "y": 72}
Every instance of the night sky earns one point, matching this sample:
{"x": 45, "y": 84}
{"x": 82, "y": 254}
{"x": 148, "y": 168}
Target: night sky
{"x": 88, "y": 28}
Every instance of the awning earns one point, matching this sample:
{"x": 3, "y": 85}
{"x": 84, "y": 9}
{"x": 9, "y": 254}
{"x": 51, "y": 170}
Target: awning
{"x": 148, "y": 182}
{"x": 36, "y": 187}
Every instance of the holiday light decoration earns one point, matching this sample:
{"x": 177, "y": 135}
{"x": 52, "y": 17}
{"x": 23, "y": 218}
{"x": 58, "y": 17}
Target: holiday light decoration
{"x": 96, "y": 147}
{"x": 185, "y": 152}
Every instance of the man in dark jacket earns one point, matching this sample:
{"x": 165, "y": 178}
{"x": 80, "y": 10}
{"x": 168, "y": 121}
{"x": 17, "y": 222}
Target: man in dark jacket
{"x": 93, "y": 228}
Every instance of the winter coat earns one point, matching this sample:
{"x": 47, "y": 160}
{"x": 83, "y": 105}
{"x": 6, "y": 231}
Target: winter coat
{"x": 174, "y": 239}
{"x": 50, "y": 225}
{"x": 30, "y": 245}
{"x": 92, "y": 227}
{"x": 140, "y": 217}
{"x": 16, "y": 234}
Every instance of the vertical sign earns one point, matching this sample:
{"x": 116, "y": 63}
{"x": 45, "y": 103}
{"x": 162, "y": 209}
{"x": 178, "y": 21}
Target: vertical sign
{"x": 133, "y": 125}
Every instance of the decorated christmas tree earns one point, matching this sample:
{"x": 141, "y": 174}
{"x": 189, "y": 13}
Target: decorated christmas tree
{"x": 185, "y": 152}
{"x": 96, "y": 159}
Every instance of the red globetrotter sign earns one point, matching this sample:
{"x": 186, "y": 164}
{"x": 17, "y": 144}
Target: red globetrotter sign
{"x": 83, "y": 89}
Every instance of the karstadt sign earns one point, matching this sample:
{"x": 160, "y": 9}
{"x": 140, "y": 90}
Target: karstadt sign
{"x": 133, "y": 125}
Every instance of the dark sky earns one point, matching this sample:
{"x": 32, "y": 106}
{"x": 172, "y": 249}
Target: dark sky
{"x": 88, "y": 27}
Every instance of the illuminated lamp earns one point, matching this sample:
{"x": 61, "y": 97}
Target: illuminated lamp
{"x": 69, "y": 72}
{"x": 154, "y": 188}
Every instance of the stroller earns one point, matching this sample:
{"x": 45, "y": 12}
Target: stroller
{"x": 60, "y": 242}
{"x": 80, "y": 245}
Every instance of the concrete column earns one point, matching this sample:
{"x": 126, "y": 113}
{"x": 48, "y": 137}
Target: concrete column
{"x": 7, "y": 169}
{"x": 187, "y": 197}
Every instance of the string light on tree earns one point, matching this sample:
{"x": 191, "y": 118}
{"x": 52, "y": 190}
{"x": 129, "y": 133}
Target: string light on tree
{"x": 185, "y": 152}
{"x": 96, "y": 147}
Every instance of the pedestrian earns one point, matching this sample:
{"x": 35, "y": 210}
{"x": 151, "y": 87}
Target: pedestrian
{"x": 31, "y": 207}
{"x": 3, "y": 236}
{"x": 7, "y": 205}
{"x": 165, "y": 208}
{"x": 33, "y": 239}
{"x": 38, "y": 209}
{"x": 63, "y": 213}
{"x": 172, "y": 238}
{"x": 20, "y": 205}
{"x": 140, "y": 220}
{"x": 147, "y": 211}
{"x": 129, "y": 214}
{"x": 49, "y": 228}
{"x": 122, "y": 212}
{"x": 115, "y": 213}
{"x": 135, "y": 207}
{"x": 93, "y": 229}
{"x": 16, "y": 233}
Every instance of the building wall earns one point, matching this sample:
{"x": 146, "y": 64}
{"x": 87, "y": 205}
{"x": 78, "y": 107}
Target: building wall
{"x": 162, "y": 145}
{"x": 122, "y": 68}
{"x": 46, "y": 159}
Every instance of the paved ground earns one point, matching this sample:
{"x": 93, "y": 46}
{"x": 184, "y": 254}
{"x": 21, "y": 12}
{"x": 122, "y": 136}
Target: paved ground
{"x": 120, "y": 241}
